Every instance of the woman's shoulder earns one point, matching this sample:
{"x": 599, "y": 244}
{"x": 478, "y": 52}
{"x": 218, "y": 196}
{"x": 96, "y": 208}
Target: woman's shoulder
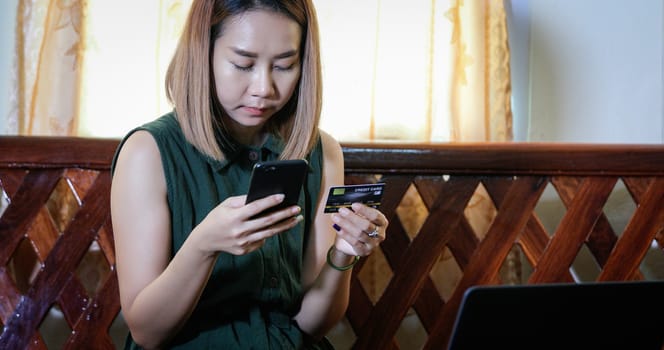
{"x": 140, "y": 146}
{"x": 331, "y": 147}
{"x": 147, "y": 139}
{"x": 165, "y": 124}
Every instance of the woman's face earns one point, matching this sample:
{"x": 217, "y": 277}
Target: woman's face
{"x": 256, "y": 66}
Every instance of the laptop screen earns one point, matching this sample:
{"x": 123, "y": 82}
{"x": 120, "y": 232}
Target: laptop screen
{"x": 606, "y": 315}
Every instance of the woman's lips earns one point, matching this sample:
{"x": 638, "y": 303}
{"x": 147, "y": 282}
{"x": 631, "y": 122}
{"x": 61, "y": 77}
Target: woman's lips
{"x": 254, "y": 110}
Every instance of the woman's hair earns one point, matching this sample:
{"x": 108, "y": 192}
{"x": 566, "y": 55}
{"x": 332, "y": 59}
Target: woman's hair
{"x": 191, "y": 89}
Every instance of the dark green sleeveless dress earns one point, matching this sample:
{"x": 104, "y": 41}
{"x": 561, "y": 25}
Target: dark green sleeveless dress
{"x": 249, "y": 300}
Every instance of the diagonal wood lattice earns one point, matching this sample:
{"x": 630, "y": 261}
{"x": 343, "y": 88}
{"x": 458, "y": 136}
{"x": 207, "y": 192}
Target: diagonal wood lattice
{"x": 446, "y": 191}
{"x": 54, "y": 212}
{"x": 58, "y": 214}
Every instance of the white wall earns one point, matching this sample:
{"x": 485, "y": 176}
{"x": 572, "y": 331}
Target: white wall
{"x": 7, "y": 28}
{"x": 518, "y": 27}
{"x": 595, "y": 70}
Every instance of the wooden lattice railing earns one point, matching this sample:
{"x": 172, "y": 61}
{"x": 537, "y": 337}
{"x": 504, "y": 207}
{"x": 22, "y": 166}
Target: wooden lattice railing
{"x": 54, "y": 221}
{"x": 57, "y": 253}
{"x": 514, "y": 177}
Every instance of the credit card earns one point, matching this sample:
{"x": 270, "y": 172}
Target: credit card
{"x": 344, "y": 196}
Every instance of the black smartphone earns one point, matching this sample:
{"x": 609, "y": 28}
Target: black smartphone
{"x": 279, "y": 176}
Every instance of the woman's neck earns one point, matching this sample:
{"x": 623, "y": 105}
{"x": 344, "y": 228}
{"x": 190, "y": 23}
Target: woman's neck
{"x": 249, "y": 136}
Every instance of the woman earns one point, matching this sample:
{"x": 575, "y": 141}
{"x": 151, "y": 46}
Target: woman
{"x": 195, "y": 269}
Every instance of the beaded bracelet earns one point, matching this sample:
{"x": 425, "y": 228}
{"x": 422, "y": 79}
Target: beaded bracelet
{"x": 340, "y": 268}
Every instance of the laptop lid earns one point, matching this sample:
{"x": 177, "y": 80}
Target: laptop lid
{"x": 597, "y": 315}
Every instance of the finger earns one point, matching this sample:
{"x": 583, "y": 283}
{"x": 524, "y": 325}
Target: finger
{"x": 236, "y": 201}
{"x": 287, "y": 224}
{"x": 259, "y": 205}
{"x": 358, "y": 221}
{"x": 371, "y": 214}
{"x": 256, "y": 239}
{"x": 375, "y": 233}
{"x": 275, "y": 217}
{"x": 276, "y": 228}
{"x": 376, "y": 217}
{"x": 356, "y": 246}
{"x": 354, "y": 235}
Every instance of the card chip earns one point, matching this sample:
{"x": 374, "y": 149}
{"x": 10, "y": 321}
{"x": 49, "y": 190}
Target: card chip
{"x": 338, "y": 191}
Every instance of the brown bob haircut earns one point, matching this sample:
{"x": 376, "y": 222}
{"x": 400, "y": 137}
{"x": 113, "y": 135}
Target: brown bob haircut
{"x": 191, "y": 89}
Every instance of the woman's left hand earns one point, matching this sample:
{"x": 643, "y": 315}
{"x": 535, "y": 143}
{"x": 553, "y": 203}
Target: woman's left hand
{"x": 359, "y": 231}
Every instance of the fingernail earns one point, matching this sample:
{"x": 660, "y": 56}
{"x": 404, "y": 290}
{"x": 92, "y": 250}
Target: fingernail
{"x": 336, "y": 227}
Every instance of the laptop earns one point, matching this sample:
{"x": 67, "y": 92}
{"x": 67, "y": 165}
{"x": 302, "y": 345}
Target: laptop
{"x": 594, "y": 315}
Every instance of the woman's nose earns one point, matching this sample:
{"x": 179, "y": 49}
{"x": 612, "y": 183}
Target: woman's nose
{"x": 262, "y": 84}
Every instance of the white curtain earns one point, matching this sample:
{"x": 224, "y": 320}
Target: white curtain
{"x": 129, "y": 46}
{"x": 431, "y": 71}
{"x": 46, "y": 75}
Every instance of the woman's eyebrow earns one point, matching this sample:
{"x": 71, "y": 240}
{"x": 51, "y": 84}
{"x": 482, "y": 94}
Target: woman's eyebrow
{"x": 289, "y": 53}
{"x": 245, "y": 53}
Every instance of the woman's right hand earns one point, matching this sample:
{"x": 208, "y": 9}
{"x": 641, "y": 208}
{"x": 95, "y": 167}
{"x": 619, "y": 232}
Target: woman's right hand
{"x": 231, "y": 227}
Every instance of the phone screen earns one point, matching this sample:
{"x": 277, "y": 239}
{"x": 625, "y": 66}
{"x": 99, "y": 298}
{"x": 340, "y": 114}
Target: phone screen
{"x": 280, "y": 176}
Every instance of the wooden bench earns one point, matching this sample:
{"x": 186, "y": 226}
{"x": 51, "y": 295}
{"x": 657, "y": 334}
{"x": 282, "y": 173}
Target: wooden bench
{"x": 460, "y": 215}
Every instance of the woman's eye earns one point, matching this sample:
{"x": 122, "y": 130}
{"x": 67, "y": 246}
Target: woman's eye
{"x": 285, "y": 68}
{"x": 242, "y": 68}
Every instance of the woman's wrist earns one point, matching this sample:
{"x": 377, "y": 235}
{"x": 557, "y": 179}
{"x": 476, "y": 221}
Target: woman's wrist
{"x": 199, "y": 243}
{"x": 339, "y": 260}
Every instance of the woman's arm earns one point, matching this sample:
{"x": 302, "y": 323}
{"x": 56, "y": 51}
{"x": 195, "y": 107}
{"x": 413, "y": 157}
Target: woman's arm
{"x": 327, "y": 289}
{"x": 156, "y": 296}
